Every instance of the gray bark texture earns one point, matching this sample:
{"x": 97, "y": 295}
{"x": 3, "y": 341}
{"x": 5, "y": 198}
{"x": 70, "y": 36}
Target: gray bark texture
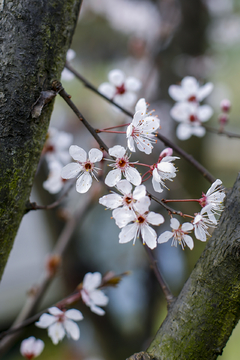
{"x": 201, "y": 320}
{"x": 34, "y": 38}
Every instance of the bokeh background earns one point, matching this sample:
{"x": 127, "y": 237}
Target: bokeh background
{"x": 159, "y": 42}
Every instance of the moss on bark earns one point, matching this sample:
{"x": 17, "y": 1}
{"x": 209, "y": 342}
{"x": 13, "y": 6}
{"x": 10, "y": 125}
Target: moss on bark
{"x": 34, "y": 37}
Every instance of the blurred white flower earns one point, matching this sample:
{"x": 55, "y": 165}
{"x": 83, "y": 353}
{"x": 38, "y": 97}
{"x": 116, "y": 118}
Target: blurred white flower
{"x": 179, "y": 234}
{"x": 121, "y": 166}
{"x": 91, "y": 295}
{"x": 141, "y": 128}
{"x": 54, "y": 182}
{"x": 60, "y": 323}
{"x": 57, "y": 145}
{"x": 164, "y": 170}
{"x": 140, "y": 219}
{"x": 66, "y": 74}
{"x": 191, "y": 116}
{"x": 31, "y": 347}
{"x": 120, "y": 89}
{"x": 83, "y": 168}
{"x": 128, "y": 199}
{"x": 190, "y": 90}
{"x": 212, "y": 201}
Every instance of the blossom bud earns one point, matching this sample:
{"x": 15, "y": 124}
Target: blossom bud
{"x": 225, "y": 105}
{"x": 165, "y": 152}
{"x": 223, "y": 119}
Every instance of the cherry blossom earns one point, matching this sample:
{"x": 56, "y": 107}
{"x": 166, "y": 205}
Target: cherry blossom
{"x": 121, "y": 166}
{"x": 139, "y": 219}
{"x": 91, "y": 295}
{"x": 191, "y": 116}
{"x": 54, "y": 182}
{"x": 57, "y": 145}
{"x": 179, "y": 234}
{"x": 190, "y": 90}
{"x": 201, "y": 224}
{"x": 66, "y": 74}
{"x": 214, "y": 197}
{"x": 120, "y": 89}
{"x": 60, "y": 323}
{"x": 141, "y": 128}
{"x": 164, "y": 170}
{"x": 128, "y": 199}
{"x": 31, "y": 347}
{"x": 83, "y": 168}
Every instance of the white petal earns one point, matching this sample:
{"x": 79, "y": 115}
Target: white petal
{"x": 130, "y": 144}
{"x": 204, "y": 112}
{"x": 84, "y": 183}
{"x": 45, "y": 321}
{"x": 56, "y": 332}
{"x": 133, "y": 84}
{"x": 99, "y": 298}
{"x": 55, "y": 311}
{"x": 155, "y": 219}
{"x": 133, "y": 176}
{"x": 74, "y": 314}
{"x": 125, "y": 100}
{"x": 97, "y": 310}
{"x": 174, "y": 223}
{"x": 70, "y": 54}
{"x": 199, "y": 131}
{"x": 128, "y": 233}
{"x": 204, "y": 91}
{"x": 189, "y": 241}
{"x": 116, "y": 77}
{"x": 200, "y": 233}
{"x": 111, "y": 201}
{"x": 149, "y": 236}
{"x": 113, "y": 177}
{"x": 117, "y": 151}
{"x": 71, "y": 170}
{"x": 123, "y": 216}
{"x": 139, "y": 192}
{"x": 91, "y": 281}
{"x": 124, "y": 187}
{"x": 107, "y": 89}
{"x": 95, "y": 155}
{"x": 176, "y": 93}
{"x": 150, "y": 124}
{"x": 214, "y": 186}
{"x": 77, "y": 153}
{"x": 136, "y": 118}
{"x": 184, "y": 131}
{"x": 141, "y": 106}
{"x": 72, "y": 329}
{"x": 164, "y": 237}
{"x": 187, "y": 226}
{"x": 190, "y": 85}
{"x": 142, "y": 205}
{"x": 156, "y": 185}
{"x": 181, "y": 111}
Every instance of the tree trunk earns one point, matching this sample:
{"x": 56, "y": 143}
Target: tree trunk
{"x": 206, "y": 311}
{"x": 34, "y": 36}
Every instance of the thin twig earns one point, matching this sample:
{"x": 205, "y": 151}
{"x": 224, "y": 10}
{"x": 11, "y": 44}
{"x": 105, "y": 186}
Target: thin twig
{"x": 166, "y": 141}
{"x": 222, "y": 132}
{"x": 35, "y": 297}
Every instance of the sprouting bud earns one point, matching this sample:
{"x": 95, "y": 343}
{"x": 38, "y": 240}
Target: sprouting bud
{"x": 225, "y": 105}
{"x": 223, "y": 119}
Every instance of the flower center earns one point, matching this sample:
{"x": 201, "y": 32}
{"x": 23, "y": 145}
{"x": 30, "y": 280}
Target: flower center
{"x": 192, "y": 98}
{"x": 122, "y": 163}
{"x": 203, "y": 200}
{"x": 120, "y": 90}
{"x": 29, "y": 356}
{"x": 50, "y": 148}
{"x": 192, "y": 118}
{"x": 141, "y": 219}
{"x": 88, "y": 166}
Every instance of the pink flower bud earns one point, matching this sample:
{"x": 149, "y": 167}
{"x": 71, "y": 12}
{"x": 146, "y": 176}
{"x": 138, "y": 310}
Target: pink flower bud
{"x": 225, "y": 105}
{"x": 223, "y": 119}
{"x": 165, "y": 152}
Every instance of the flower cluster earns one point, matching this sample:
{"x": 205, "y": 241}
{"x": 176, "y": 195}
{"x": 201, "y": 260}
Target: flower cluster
{"x": 188, "y": 111}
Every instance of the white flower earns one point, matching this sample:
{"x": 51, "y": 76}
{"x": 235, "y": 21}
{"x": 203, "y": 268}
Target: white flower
{"x": 56, "y": 146}
{"x": 91, "y": 295}
{"x": 201, "y": 224}
{"x": 164, "y": 170}
{"x": 120, "y": 90}
{"x": 60, "y": 323}
{"x": 66, "y": 74}
{"x": 141, "y": 128}
{"x": 84, "y": 167}
{"x": 121, "y": 166}
{"x": 179, "y": 234}
{"x": 54, "y": 182}
{"x": 140, "y": 219}
{"x": 128, "y": 199}
{"x": 191, "y": 116}
{"x": 31, "y": 347}
{"x": 189, "y": 90}
{"x": 214, "y": 197}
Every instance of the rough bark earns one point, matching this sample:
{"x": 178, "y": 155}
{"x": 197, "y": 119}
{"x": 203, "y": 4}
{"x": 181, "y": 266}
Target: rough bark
{"x": 201, "y": 320}
{"x": 34, "y": 38}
